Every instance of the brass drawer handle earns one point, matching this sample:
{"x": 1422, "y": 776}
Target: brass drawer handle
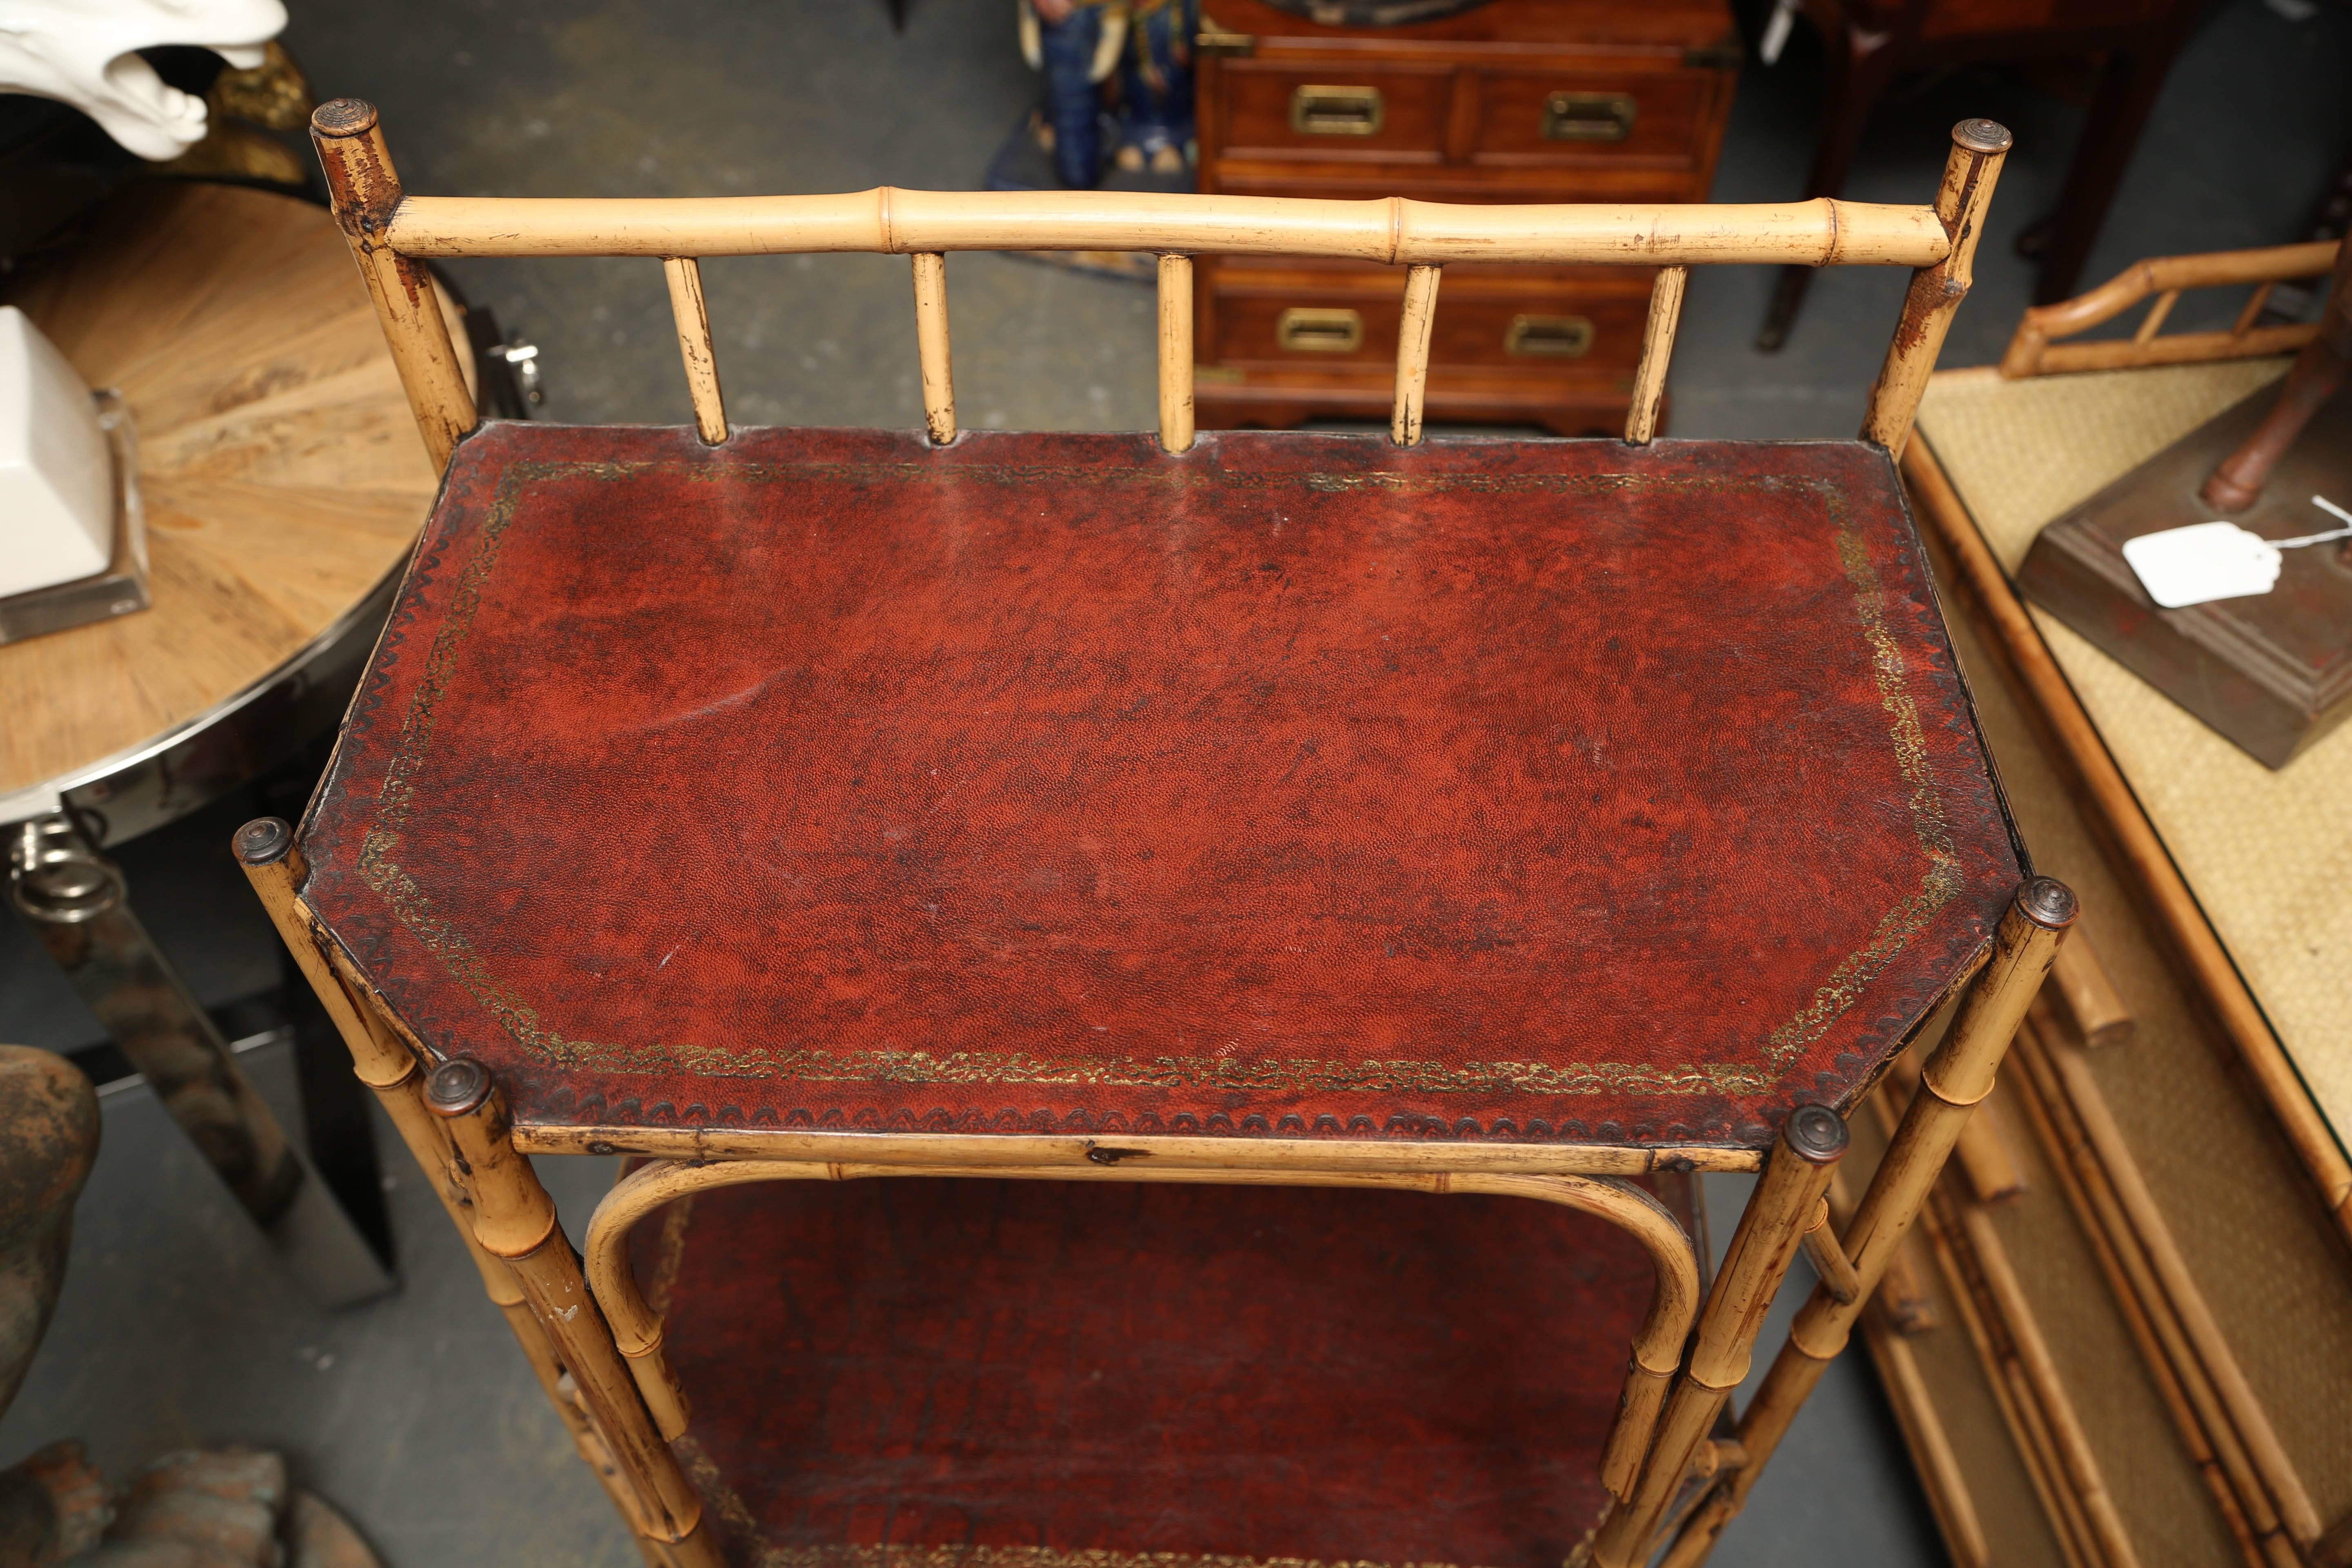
{"x": 1310, "y": 330}
{"x": 1336, "y": 111}
{"x": 1548, "y": 337}
{"x": 1588, "y": 117}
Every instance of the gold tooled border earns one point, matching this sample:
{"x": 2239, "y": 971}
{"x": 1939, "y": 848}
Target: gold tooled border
{"x": 1940, "y": 878}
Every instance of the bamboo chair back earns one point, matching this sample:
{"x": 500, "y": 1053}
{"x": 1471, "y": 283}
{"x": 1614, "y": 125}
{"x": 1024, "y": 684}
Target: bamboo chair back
{"x": 2033, "y": 351}
{"x": 391, "y": 233}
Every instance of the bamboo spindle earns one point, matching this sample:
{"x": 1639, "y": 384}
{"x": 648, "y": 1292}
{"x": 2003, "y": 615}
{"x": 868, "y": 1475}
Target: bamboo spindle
{"x": 931, "y": 343}
{"x": 1657, "y": 353}
{"x": 1956, "y": 1077}
{"x": 1969, "y": 174}
{"x": 272, "y": 863}
{"x": 1176, "y": 353}
{"x": 693, "y": 316}
{"x": 515, "y": 1219}
{"x": 1828, "y": 1259}
{"x": 1813, "y": 1140}
{"x": 1413, "y": 355}
{"x": 365, "y": 191}
{"x": 1940, "y": 1475}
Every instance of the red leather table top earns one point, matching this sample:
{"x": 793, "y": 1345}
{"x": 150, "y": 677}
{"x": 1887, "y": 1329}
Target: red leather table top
{"x": 1355, "y": 1378}
{"x": 1299, "y": 785}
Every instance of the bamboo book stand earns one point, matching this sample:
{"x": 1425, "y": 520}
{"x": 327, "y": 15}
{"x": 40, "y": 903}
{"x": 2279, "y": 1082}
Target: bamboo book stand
{"x": 1152, "y": 836}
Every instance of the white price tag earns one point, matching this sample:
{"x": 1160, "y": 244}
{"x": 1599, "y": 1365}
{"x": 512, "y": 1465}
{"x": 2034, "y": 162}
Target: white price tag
{"x": 2206, "y": 560}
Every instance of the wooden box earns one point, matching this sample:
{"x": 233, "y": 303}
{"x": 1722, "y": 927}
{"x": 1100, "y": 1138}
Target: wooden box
{"x": 1516, "y": 100}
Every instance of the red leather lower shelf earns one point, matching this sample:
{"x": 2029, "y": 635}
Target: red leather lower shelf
{"x": 1335, "y": 1374}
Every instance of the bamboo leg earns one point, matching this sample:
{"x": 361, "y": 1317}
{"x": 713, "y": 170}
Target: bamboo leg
{"x": 265, "y": 849}
{"x": 515, "y": 1219}
{"x": 1176, "y": 353}
{"x": 1413, "y": 355}
{"x": 1811, "y": 1142}
{"x": 1977, "y": 148}
{"x": 2038, "y": 1370}
{"x": 931, "y": 343}
{"x": 365, "y": 191}
{"x": 1956, "y": 1077}
{"x": 1902, "y": 1299}
{"x": 693, "y": 316}
{"x": 2088, "y": 996}
{"x": 1657, "y": 352}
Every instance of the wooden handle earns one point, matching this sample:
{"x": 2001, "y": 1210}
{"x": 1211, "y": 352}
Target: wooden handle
{"x": 2318, "y": 371}
{"x": 366, "y": 193}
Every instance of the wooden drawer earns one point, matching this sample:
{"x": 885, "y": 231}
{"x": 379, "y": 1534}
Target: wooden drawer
{"x": 1564, "y": 119}
{"x": 1580, "y": 128}
{"x": 1340, "y": 110}
{"x": 1536, "y": 321}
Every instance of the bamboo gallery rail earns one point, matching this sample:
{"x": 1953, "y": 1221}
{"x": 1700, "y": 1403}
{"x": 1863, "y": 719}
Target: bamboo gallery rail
{"x": 391, "y": 232}
{"x": 591, "y": 1336}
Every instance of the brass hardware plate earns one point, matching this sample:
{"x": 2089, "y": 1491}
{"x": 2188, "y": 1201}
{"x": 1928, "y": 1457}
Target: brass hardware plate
{"x": 1588, "y": 117}
{"x": 1336, "y": 111}
{"x": 1309, "y": 330}
{"x": 1548, "y": 337}
{"x": 1209, "y": 41}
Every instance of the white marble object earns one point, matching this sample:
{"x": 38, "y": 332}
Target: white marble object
{"x": 56, "y": 475}
{"x": 82, "y": 52}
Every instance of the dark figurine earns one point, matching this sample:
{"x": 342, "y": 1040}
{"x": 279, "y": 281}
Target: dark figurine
{"x": 1076, "y": 43}
{"x": 1156, "y": 85}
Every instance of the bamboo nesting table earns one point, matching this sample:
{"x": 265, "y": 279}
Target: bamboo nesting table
{"x": 2126, "y": 1339}
{"x": 283, "y": 483}
{"x": 1094, "y": 850}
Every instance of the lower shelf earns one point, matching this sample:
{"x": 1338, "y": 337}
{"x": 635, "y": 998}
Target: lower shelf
{"x": 970, "y": 1373}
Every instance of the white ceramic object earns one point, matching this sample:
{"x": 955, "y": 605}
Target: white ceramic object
{"x": 82, "y": 52}
{"x": 57, "y": 477}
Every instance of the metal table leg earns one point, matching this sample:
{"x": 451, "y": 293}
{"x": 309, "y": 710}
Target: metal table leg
{"x": 74, "y": 899}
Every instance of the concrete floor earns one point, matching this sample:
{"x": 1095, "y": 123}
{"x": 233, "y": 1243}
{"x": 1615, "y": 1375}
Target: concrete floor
{"x": 412, "y": 1412}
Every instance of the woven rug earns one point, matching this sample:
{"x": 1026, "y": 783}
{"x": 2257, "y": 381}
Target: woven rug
{"x": 2269, "y": 855}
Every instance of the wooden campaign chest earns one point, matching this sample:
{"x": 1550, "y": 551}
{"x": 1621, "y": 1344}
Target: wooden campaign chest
{"x": 1514, "y": 100}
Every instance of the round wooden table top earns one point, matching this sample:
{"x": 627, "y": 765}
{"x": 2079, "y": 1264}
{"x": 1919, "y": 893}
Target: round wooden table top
{"x": 282, "y": 474}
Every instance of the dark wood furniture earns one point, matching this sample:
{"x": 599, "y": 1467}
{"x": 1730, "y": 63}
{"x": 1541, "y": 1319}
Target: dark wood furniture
{"x": 1263, "y": 812}
{"x": 1866, "y": 43}
{"x": 1516, "y": 100}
